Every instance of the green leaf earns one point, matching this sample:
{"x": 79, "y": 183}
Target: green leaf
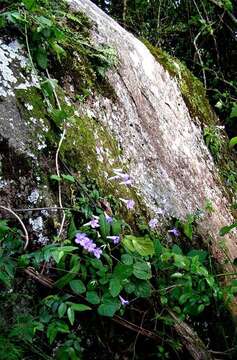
{"x": 42, "y": 58}
{"x": 92, "y": 297}
{"x": 77, "y": 287}
{"x": 130, "y": 288}
{"x": 115, "y": 286}
{"x": 80, "y": 307}
{"x": 29, "y": 4}
{"x": 226, "y": 229}
{"x": 64, "y": 280}
{"x": 3, "y": 226}
{"x": 71, "y": 315}
{"x": 116, "y": 227}
{"x": 141, "y": 270}
{"x": 48, "y": 86}
{"x": 44, "y": 21}
{"x": 104, "y": 226}
{"x": 123, "y": 271}
{"x": 176, "y": 250}
{"x": 72, "y": 230}
{"x": 233, "y": 111}
{"x": 157, "y": 248}
{"x": 233, "y": 142}
{"x": 202, "y": 254}
{"x": 107, "y": 310}
{"x": 68, "y": 178}
{"x": 55, "y": 177}
{"x": 127, "y": 259}
{"x": 5, "y": 279}
{"x": 188, "y": 230}
{"x": 54, "y": 328}
{"x": 62, "y": 310}
{"x": 142, "y": 245}
{"x": 143, "y": 289}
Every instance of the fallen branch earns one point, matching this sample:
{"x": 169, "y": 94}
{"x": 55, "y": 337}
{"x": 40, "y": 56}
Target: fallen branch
{"x": 190, "y": 339}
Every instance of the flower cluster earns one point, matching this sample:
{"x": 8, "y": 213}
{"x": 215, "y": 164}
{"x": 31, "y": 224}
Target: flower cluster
{"x": 88, "y": 244}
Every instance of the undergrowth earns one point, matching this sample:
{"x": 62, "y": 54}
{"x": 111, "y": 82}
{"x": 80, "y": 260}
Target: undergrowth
{"x": 98, "y": 266}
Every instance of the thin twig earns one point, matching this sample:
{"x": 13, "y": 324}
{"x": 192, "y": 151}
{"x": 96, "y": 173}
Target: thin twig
{"x": 57, "y": 160}
{"x": 43, "y": 208}
{"x": 21, "y": 222}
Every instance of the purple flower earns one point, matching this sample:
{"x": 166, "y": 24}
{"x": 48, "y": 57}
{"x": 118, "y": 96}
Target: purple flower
{"x": 129, "y": 203}
{"x": 175, "y": 232}
{"x": 97, "y": 253}
{"x": 88, "y": 244}
{"x": 80, "y": 237}
{"x": 123, "y": 301}
{"x": 153, "y": 223}
{"x": 119, "y": 175}
{"x": 94, "y": 223}
{"x": 126, "y": 179}
{"x": 108, "y": 218}
{"x": 115, "y": 239}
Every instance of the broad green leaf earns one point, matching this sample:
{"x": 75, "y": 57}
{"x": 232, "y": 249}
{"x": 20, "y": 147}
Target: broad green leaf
{"x": 3, "y": 226}
{"x": 226, "y": 229}
{"x": 115, "y": 286}
{"x": 233, "y": 142}
{"x": 130, "y": 287}
{"x": 107, "y": 310}
{"x": 116, "y": 227}
{"x": 77, "y": 287}
{"x": 71, "y": 315}
{"x": 127, "y": 241}
{"x": 42, "y": 58}
{"x": 176, "y": 250}
{"x": 104, "y": 226}
{"x": 80, "y": 307}
{"x": 54, "y": 328}
{"x": 142, "y": 245}
{"x": 202, "y": 254}
{"x": 55, "y": 177}
{"x": 127, "y": 259}
{"x": 62, "y": 310}
{"x": 92, "y": 297}
{"x": 5, "y": 279}
{"x": 123, "y": 271}
{"x": 72, "y": 230}
{"x": 143, "y": 289}
{"x": 29, "y": 4}
{"x": 44, "y": 21}
{"x": 157, "y": 248}
{"x": 233, "y": 111}
{"x": 141, "y": 270}
{"x": 68, "y": 178}
{"x": 188, "y": 230}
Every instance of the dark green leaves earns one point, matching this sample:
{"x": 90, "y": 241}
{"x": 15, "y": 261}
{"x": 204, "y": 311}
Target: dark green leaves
{"x": 141, "y": 270}
{"x": 92, "y": 297}
{"x": 115, "y": 286}
{"x": 29, "y": 4}
{"x": 77, "y": 287}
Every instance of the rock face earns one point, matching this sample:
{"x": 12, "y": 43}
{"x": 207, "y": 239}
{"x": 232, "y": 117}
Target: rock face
{"x": 161, "y": 140}
{"x": 145, "y": 125}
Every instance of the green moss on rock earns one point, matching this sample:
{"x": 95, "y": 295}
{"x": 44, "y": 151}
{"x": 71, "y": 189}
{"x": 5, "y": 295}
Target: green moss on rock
{"x": 192, "y": 90}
